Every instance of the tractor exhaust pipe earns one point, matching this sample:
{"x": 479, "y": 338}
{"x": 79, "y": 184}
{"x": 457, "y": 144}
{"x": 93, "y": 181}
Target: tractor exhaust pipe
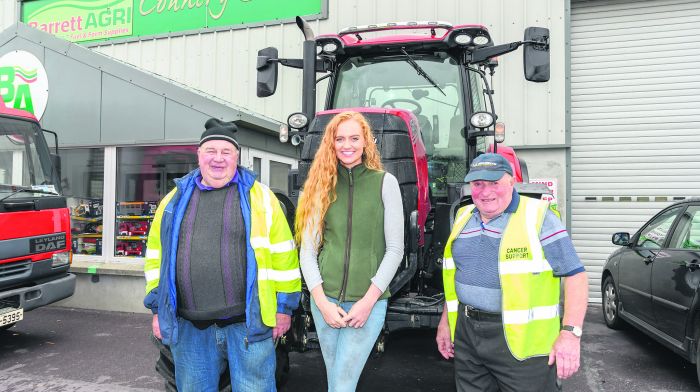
{"x": 308, "y": 101}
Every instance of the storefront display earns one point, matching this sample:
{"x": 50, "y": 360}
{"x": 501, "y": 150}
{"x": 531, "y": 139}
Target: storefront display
{"x": 86, "y": 225}
{"x": 132, "y": 223}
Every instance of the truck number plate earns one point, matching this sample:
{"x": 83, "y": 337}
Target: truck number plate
{"x": 10, "y": 315}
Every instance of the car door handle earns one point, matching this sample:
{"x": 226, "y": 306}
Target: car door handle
{"x": 692, "y": 265}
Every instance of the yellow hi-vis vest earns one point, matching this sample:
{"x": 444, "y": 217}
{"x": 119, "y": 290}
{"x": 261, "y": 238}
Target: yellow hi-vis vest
{"x": 272, "y": 242}
{"x": 530, "y": 291}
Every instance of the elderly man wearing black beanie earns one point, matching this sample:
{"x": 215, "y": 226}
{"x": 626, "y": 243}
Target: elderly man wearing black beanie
{"x": 222, "y": 273}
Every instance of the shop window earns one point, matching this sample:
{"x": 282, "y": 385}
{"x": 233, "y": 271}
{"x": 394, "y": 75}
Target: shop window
{"x": 144, "y": 176}
{"x": 279, "y": 174}
{"x": 257, "y": 167}
{"x": 82, "y": 180}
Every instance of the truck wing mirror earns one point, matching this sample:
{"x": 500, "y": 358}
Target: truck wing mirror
{"x": 267, "y": 72}
{"x": 536, "y": 54}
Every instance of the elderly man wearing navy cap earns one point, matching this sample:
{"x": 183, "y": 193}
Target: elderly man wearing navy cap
{"x": 503, "y": 262}
{"x": 222, "y": 273}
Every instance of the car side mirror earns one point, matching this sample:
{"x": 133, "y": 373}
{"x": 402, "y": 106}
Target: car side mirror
{"x": 267, "y": 72}
{"x": 622, "y": 239}
{"x": 536, "y": 54}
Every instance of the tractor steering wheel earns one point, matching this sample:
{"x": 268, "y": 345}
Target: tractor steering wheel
{"x": 392, "y": 104}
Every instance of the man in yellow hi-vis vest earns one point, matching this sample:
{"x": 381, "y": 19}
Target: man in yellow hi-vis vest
{"x": 502, "y": 267}
{"x": 222, "y": 272}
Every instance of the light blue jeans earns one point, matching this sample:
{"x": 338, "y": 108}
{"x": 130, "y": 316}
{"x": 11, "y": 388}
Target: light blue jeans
{"x": 200, "y": 357}
{"x": 345, "y": 350}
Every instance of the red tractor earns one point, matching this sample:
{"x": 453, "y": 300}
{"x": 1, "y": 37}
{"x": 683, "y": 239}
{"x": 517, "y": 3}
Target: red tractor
{"x": 429, "y": 102}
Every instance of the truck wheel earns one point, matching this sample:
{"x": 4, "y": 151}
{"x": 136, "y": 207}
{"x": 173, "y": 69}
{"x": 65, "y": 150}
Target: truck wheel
{"x": 611, "y": 305}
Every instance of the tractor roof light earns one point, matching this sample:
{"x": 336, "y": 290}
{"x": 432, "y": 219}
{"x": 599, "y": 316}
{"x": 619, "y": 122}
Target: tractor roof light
{"x": 330, "y": 47}
{"x": 463, "y": 39}
{"x": 284, "y": 133}
{"x": 500, "y": 132}
{"x": 482, "y": 120}
{"x": 297, "y": 120}
{"x": 481, "y": 40}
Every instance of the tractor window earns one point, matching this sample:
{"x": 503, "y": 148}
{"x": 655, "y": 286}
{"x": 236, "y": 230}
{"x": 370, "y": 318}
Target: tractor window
{"x": 392, "y": 82}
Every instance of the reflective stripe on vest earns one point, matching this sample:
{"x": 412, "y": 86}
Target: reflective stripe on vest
{"x": 275, "y": 251}
{"x": 530, "y": 292}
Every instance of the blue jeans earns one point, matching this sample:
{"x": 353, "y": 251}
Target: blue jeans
{"x": 345, "y": 350}
{"x": 200, "y": 357}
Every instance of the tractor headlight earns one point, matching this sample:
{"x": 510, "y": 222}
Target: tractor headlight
{"x": 482, "y": 120}
{"x": 463, "y": 39}
{"x": 297, "y": 120}
{"x": 330, "y": 47}
{"x": 481, "y": 40}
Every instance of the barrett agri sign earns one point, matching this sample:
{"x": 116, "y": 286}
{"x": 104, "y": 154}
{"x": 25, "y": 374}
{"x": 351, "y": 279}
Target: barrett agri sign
{"x": 94, "y": 20}
{"x": 80, "y": 20}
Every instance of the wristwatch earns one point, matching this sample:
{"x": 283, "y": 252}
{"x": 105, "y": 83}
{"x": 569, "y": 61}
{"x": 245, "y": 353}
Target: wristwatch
{"x": 577, "y": 331}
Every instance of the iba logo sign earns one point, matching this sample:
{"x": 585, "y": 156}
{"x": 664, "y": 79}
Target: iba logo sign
{"x": 23, "y": 82}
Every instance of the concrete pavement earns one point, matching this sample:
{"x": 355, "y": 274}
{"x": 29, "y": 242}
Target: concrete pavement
{"x": 64, "y": 349}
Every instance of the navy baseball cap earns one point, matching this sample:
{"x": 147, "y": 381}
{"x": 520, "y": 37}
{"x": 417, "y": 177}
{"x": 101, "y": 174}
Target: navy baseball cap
{"x": 488, "y": 167}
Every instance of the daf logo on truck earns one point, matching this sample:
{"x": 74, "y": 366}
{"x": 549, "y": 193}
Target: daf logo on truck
{"x": 47, "y": 243}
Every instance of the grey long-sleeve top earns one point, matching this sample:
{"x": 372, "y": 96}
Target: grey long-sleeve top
{"x": 393, "y": 237}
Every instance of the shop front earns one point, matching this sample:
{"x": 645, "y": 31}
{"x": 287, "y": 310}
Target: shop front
{"x": 124, "y": 137}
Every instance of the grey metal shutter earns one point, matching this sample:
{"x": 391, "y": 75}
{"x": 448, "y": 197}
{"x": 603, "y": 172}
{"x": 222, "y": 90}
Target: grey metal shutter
{"x": 635, "y": 118}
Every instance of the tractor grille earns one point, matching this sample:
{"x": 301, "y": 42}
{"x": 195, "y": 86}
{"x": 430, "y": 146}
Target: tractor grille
{"x": 15, "y": 268}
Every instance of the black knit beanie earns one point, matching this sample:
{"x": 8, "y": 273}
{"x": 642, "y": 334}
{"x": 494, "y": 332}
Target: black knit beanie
{"x": 216, "y": 129}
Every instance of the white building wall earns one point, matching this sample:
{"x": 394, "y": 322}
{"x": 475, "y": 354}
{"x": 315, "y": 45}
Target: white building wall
{"x": 8, "y": 13}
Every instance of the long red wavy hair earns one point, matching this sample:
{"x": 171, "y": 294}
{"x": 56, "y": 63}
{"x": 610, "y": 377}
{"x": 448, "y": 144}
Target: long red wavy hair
{"x": 319, "y": 188}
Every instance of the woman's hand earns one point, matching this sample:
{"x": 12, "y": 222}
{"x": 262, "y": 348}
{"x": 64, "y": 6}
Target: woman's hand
{"x": 360, "y": 311}
{"x": 333, "y": 314}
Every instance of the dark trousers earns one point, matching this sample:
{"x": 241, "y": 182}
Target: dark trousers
{"x": 483, "y": 361}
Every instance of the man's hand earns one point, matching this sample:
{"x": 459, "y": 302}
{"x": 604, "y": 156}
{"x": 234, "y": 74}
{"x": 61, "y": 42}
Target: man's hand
{"x": 443, "y": 338}
{"x": 156, "y": 327}
{"x": 359, "y": 313}
{"x": 284, "y": 321}
{"x": 566, "y": 353}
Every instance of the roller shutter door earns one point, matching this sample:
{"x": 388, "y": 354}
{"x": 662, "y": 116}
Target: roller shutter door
{"x": 635, "y": 118}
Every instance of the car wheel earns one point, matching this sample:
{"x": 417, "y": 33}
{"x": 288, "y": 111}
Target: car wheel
{"x": 611, "y": 305}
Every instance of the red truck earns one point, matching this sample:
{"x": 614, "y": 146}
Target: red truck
{"x": 35, "y": 232}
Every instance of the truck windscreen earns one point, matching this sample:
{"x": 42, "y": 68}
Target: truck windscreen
{"x": 24, "y": 162}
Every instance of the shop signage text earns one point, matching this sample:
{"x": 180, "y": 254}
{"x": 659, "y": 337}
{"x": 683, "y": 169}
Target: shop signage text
{"x": 80, "y": 20}
{"x": 87, "y": 20}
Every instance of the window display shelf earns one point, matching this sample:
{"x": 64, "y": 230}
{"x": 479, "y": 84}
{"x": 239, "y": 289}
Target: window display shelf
{"x": 135, "y": 217}
{"x": 131, "y": 237}
{"x": 87, "y": 235}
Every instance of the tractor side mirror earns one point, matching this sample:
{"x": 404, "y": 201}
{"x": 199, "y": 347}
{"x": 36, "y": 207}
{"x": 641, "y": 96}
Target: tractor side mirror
{"x": 536, "y": 54}
{"x": 267, "y": 72}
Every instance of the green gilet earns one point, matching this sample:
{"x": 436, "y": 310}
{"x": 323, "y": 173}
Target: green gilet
{"x": 353, "y": 236}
